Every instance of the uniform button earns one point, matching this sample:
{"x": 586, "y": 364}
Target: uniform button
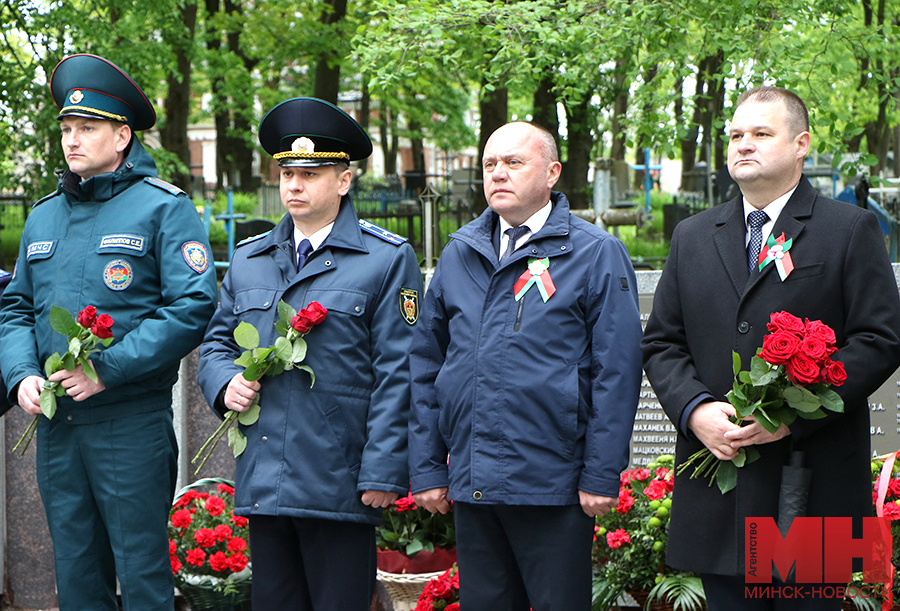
{"x": 562, "y": 247}
{"x": 255, "y": 506}
{"x": 477, "y": 495}
{"x": 744, "y": 327}
{"x": 266, "y": 304}
{"x": 328, "y": 263}
{"x": 237, "y": 308}
{"x": 265, "y": 439}
{"x": 70, "y": 417}
{"x": 357, "y": 308}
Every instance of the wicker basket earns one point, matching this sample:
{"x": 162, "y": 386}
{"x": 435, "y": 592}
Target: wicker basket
{"x": 405, "y": 588}
{"x": 640, "y": 597}
{"x": 205, "y": 598}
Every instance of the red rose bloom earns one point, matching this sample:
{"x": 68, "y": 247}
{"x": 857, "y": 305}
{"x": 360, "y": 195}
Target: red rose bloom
{"x": 196, "y": 556}
{"x": 802, "y": 370}
{"x": 215, "y": 506}
{"x": 205, "y": 537}
{"x": 176, "y": 564}
{"x": 237, "y": 545}
{"x": 301, "y": 323}
{"x": 102, "y": 326}
{"x": 661, "y": 472}
{"x": 406, "y": 503}
{"x": 239, "y": 521}
{"x": 452, "y": 607}
{"x": 223, "y": 532}
{"x": 87, "y": 316}
{"x": 173, "y": 547}
{"x": 779, "y": 347}
{"x": 618, "y": 538}
{"x": 814, "y": 348}
{"x": 441, "y": 588}
{"x": 316, "y": 312}
{"x": 219, "y": 562}
{"x": 237, "y": 562}
{"x": 783, "y": 321}
{"x": 820, "y": 330}
{"x": 225, "y": 489}
{"x": 656, "y": 490}
{"x": 182, "y": 518}
{"x": 835, "y": 373}
{"x": 891, "y": 511}
{"x": 626, "y": 501}
{"x": 454, "y": 581}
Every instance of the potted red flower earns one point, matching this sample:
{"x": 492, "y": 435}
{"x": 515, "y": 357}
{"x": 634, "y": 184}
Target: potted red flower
{"x": 208, "y": 548}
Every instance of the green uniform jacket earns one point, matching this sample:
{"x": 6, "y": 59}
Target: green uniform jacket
{"x": 134, "y": 247}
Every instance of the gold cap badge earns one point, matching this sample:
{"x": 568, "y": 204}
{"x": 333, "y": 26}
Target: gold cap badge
{"x": 76, "y": 97}
{"x": 303, "y": 145}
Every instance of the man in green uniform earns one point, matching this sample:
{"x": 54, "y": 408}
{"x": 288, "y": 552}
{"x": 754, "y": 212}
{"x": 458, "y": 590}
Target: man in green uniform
{"x": 116, "y": 237}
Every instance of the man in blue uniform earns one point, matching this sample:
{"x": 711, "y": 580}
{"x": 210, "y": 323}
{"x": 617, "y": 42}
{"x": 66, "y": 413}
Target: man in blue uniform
{"x": 525, "y": 372}
{"x": 321, "y": 461}
{"x": 116, "y": 237}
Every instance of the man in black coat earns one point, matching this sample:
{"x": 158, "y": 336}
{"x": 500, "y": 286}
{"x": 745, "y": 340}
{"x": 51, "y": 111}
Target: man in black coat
{"x": 712, "y": 300}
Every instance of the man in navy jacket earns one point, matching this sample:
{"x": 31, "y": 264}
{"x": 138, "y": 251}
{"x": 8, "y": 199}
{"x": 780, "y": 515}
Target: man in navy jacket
{"x": 525, "y": 372}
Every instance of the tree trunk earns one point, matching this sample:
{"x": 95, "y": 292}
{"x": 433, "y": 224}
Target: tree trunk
{"x": 174, "y": 136}
{"x": 328, "y": 68}
{"x": 544, "y": 107}
{"x": 364, "y": 120}
{"x": 389, "y": 142}
{"x": 578, "y": 159}
{"x": 494, "y": 108}
{"x": 620, "y": 110}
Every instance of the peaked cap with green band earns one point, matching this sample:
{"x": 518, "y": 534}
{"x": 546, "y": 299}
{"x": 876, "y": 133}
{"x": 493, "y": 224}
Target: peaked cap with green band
{"x": 86, "y": 85}
{"x": 308, "y": 132}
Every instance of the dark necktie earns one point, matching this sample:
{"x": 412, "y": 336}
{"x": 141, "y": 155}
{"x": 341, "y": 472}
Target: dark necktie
{"x": 514, "y": 233}
{"x": 756, "y": 219}
{"x": 303, "y": 250}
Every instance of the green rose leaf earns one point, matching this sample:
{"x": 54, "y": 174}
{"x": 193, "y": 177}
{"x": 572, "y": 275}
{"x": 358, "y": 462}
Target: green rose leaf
{"x": 246, "y": 336}
{"x": 236, "y": 441}
{"x": 309, "y": 370}
{"x": 47, "y": 402}
{"x": 767, "y": 421}
{"x": 414, "y": 547}
{"x": 285, "y": 312}
{"x": 801, "y": 399}
{"x": 299, "y": 350}
{"x": 245, "y": 359}
{"x": 741, "y": 459}
{"x": 62, "y": 321}
{"x": 67, "y": 362}
{"x": 831, "y": 400}
{"x": 736, "y": 362}
{"x": 89, "y": 372}
{"x": 255, "y": 371}
{"x": 726, "y": 477}
{"x": 283, "y": 349}
{"x": 251, "y": 415}
{"x": 52, "y": 364}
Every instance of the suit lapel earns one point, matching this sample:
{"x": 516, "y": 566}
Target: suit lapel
{"x": 729, "y": 240}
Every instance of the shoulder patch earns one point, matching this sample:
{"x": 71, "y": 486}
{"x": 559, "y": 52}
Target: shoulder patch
{"x": 165, "y": 186}
{"x": 252, "y": 238}
{"x": 381, "y": 232}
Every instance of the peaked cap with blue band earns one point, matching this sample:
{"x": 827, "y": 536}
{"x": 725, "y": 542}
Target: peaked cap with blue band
{"x": 308, "y": 132}
{"x": 86, "y": 85}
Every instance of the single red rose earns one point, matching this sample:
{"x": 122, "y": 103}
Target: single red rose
{"x": 814, "y": 348}
{"x": 102, "y": 326}
{"x": 783, "y": 321}
{"x": 818, "y": 329}
{"x": 452, "y": 607}
{"x": 454, "y": 581}
{"x": 225, "y": 489}
{"x": 215, "y": 506}
{"x": 778, "y": 347}
{"x": 618, "y": 538}
{"x": 316, "y": 312}
{"x": 656, "y": 490}
{"x": 176, "y": 564}
{"x": 626, "y": 501}
{"x": 301, "y": 323}
{"x": 205, "y": 537}
{"x": 835, "y": 373}
{"x": 239, "y": 521}
{"x": 237, "y": 562}
{"x": 802, "y": 370}
{"x": 406, "y": 503}
{"x": 196, "y": 556}
{"x": 237, "y": 544}
{"x": 182, "y": 518}
{"x": 440, "y": 588}
{"x": 87, "y": 316}
{"x": 223, "y": 532}
{"x": 219, "y": 562}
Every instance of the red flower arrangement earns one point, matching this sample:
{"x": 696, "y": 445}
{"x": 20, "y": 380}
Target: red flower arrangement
{"x": 287, "y": 353}
{"x": 789, "y": 378}
{"x": 207, "y": 542}
{"x": 82, "y": 336}
{"x": 441, "y": 593}
{"x": 411, "y": 539}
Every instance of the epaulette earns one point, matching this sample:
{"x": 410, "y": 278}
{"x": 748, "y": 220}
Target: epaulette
{"x": 252, "y": 238}
{"x": 165, "y": 186}
{"x": 381, "y": 232}
{"x": 45, "y": 198}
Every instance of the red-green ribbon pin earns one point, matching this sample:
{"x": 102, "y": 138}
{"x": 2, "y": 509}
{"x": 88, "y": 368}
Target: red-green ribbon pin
{"x": 777, "y": 250}
{"x": 537, "y": 274}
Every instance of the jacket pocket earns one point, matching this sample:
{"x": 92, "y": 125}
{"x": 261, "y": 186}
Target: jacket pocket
{"x": 253, "y": 299}
{"x": 807, "y": 271}
{"x": 343, "y": 435}
{"x": 345, "y": 301}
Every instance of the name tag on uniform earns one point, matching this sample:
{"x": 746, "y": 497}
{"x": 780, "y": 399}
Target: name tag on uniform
{"x": 38, "y": 248}
{"x": 131, "y": 242}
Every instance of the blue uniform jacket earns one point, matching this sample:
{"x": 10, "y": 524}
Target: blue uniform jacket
{"x": 134, "y": 247}
{"x": 531, "y": 400}
{"x": 314, "y": 450}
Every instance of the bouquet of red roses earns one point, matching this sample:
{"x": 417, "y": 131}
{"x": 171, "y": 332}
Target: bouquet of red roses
{"x": 82, "y": 335}
{"x": 789, "y": 378}
{"x": 287, "y": 353}
{"x": 441, "y": 593}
